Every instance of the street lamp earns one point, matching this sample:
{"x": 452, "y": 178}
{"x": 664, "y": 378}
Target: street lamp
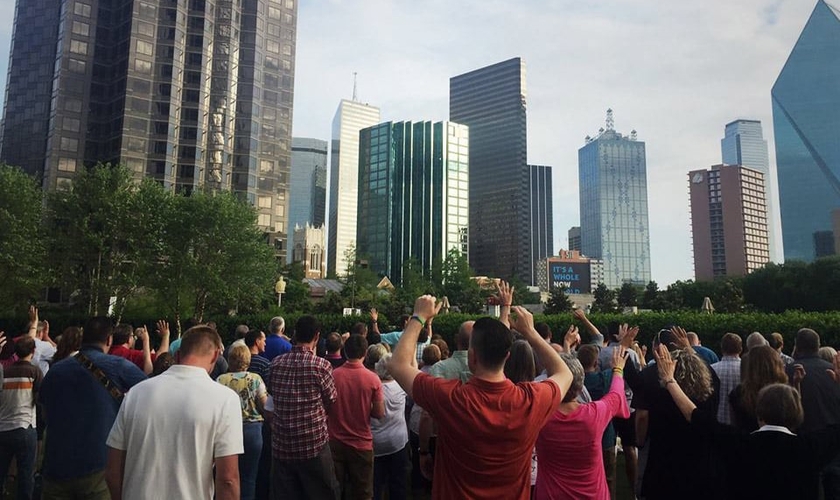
{"x": 280, "y": 289}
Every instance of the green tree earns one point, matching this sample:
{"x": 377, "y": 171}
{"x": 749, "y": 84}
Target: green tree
{"x": 604, "y": 300}
{"x": 457, "y": 283}
{"x": 628, "y": 295}
{"x": 22, "y": 250}
{"x": 558, "y": 301}
{"x": 359, "y": 280}
{"x": 296, "y": 297}
{"x": 523, "y": 295}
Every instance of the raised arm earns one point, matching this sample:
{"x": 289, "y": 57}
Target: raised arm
{"x": 163, "y": 332}
{"x": 33, "y": 321}
{"x": 554, "y": 365}
{"x": 580, "y": 314}
{"x": 665, "y": 367}
{"x": 403, "y": 366}
{"x": 374, "y": 321}
{"x": 147, "y": 350}
{"x": 504, "y": 294}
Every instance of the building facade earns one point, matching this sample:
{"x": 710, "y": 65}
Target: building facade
{"x": 491, "y": 102}
{"x": 413, "y": 195}
{"x": 576, "y": 273}
{"x": 350, "y": 118}
{"x": 728, "y": 221}
{"x": 309, "y": 161}
{"x": 806, "y": 104}
{"x": 308, "y": 247}
{"x": 542, "y": 216}
{"x": 744, "y": 144}
{"x": 197, "y": 95}
{"x": 614, "y": 207}
{"x": 574, "y": 238}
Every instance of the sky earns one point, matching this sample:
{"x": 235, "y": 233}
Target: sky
{"x": 674, "y": 71}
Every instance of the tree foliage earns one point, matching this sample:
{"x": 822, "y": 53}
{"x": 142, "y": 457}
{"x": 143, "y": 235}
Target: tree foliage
{"x": 628, "y": 295}
{"x": 604, "y": 299}
{"x": 558, "y": 302}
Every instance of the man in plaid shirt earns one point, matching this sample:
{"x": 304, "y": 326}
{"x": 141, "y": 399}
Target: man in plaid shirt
{"x": 728, "y": 370}
{"x": 303, "y": 390}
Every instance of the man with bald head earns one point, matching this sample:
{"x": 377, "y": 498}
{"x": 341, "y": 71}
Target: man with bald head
{"x": 158, "y": 448}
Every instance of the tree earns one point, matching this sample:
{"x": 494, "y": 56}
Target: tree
{"x": 457, "y": 283}
{"x": 296, "y": 296}
{"x": 604, "y": 299}
{"x": 22, "y": 250}
{"x": 359, "y": 280}
{"x": 558, "y": 301}
{"x": 628, "y": 295}
{"x": 522, "y": 294}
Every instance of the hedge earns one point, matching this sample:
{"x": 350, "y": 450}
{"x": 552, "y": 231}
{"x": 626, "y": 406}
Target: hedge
{"x": 710, "y": 328}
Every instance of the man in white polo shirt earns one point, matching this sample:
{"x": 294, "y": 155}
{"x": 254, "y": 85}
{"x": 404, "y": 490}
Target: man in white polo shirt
{"x": 161, "y": 449}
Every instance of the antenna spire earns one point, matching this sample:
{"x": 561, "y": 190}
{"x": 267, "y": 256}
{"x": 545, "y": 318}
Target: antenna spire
{"x": 355, "y": 96}
{"x": 610, "y": 120}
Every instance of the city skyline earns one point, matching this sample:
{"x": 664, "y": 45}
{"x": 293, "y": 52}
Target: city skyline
{"x": 679, "y": 106}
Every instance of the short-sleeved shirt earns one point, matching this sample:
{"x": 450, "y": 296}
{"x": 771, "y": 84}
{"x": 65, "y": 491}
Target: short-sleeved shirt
{"x": 80, "y": 412}
{"x": 134, "y": 355}
{"x": 206, "y": 424}
{"x": 729, "y": 372}
{"x": 249, "y": 387}
{"x": 393, "y": 338}
{"x": 302, "y": 387}
{"x": 487, "y": 432}
{"x": 21, "y": 384}
{"x": 390, "y": 433}
{"x": 569, "y": 448}
{"x": 454, "y": 368}
{"x": 275, "y": 345}
{"x": 260, "y": 366}
{"x": 356, "y": 389}
{"x": 43, "y": 356}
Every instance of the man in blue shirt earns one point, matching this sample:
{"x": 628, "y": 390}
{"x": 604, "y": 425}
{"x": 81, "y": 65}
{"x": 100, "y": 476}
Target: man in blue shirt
{"x": 276, "y": 342}
{"x": 80, "y": 412}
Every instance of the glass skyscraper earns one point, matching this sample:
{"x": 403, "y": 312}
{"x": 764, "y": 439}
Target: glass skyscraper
{"x": 413, "y": 194}
{"x": 195, "y": 94}
{"x": 744, "y": 144}
{"x": 309, "y": 157}
{"x": 542, "y": 217}
{"x": 350, "y": 118}
{"x": 491, "y": 102}
{"x": 806, "y": 120}
{"x": 614, "y": 206}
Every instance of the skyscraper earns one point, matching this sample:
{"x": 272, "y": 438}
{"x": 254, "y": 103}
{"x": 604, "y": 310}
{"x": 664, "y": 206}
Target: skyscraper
{"x": 728, "y": 221}
{"x": 574, "y": 238}
{"x": 613, "y": 205}
{"x": 744, "y": 144}
{"x": 413, "y": 194}
{"x": 308, "y": 155}
{"x": 542, "y": 217}
{"x": 194, "y": 94}
{"x": 350, "y": 118}
{"x": 806, "y": 104}
{"x": 491, "y": 102}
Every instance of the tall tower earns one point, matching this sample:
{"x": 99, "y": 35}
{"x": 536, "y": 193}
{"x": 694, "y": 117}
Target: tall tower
{"x": 491, "y": 102}
{"x": 413, "y": 194}
{"x": 308, "y": 155}
{"x": 542, "y": 217}
{"x": 350, "y": 118}
{"x": 744, "y": 144}
{"x": 728, "y": 221}
{"x": 614, "y": 207}
{"x": 176, "y": 91}
{"x": 806, "y": 118}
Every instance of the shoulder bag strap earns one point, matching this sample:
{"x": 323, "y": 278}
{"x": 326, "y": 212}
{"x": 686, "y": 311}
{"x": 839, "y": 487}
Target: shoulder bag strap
{"x": 99, "y": 375}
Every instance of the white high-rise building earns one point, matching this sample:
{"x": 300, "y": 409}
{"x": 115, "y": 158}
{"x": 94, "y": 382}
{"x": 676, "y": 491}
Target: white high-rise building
{"x": 744, "y": 144}
{"x": 350, "y": 118}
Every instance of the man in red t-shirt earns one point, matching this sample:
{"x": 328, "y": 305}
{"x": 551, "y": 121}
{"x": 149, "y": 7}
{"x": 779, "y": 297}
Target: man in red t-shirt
{"x": 487, "y": 427}
{"x": 123, "y": 346}
{"x": 358, "y": 398}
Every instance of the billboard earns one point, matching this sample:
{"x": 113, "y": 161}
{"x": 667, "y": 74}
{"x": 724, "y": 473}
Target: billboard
{"x": 573, "y": 275}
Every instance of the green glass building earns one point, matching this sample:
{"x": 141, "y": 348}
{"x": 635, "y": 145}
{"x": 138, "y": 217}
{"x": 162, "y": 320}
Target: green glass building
{"x": 413, "y": 194}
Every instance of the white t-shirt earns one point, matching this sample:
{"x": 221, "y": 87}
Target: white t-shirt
{"x": 389, "y": 432}
{"x": 170, "y": 448}
{"x": 44, "y": 352}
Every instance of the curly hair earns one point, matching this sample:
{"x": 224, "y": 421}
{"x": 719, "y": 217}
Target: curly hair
{"x": 762, "y": 367}
{"x": 693, "y": 375}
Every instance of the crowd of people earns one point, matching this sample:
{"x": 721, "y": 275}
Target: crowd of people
{"x": 503, "y": 413}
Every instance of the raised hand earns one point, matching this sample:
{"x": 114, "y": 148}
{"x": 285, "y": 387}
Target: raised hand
{"x": 45, "y": 334}
{"x": 835, "y": 373}
{"x": 799, "y": 374}
{"x": 374, "y": 315}
{"x": 627, "y": 335}
{"x": 680, "y": 338}
{"x": 579, "y": 314}
{"x": 33, "y": 316}
{"x": 142, "y": 334}
{"x": 162, "y": 328}
{"x": 426, "y": 307}
{"x": 572, "y": 338}
{"x": 619, "y": 355}
{"x": 522, "y": 321}
{"x": 664, "y": 364}
{"x": 504, "y": 293}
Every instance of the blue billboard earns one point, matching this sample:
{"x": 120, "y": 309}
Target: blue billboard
{"x": 574, "y": 276}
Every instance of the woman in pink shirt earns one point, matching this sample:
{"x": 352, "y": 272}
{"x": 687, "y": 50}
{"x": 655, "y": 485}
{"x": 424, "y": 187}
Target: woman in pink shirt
{"x": 569, "y": 445}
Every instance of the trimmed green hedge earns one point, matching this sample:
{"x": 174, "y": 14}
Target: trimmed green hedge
{"x": 710, "y": 328}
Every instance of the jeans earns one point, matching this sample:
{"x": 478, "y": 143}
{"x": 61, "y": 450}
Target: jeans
{"x": 389, "y": 474}
{"x": 250, "y": 460}
{"x": 311, "y": 478}
{"x": 20, "y": 444}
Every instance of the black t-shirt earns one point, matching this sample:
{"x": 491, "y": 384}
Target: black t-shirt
{"x": 680, "y": 463}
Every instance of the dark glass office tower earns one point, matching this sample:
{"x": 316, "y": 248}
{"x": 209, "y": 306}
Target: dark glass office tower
{"x": 542, "y": 217}
{"x": 196, "y": 94}
{"x": 491, "y": 102}
{"x": 806, "y": 106}
{"x": 413, "y": 194}
{"x": 307, "y": 184}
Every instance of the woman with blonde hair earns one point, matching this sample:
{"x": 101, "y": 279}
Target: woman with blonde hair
{"x": 252, "y": 395}
{"x": 761, "y": 368}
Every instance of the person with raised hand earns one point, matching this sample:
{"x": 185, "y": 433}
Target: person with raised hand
{"x": 487, "y": 426}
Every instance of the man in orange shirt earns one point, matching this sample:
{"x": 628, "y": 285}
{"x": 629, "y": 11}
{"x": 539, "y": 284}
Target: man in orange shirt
{"x": 358, "y": 398}
{"x": 487, "y": 427}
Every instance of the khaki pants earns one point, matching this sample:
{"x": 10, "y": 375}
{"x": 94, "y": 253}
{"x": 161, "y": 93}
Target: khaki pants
{"x": 90, "y": 487}
{"x": 354, "y": 470}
